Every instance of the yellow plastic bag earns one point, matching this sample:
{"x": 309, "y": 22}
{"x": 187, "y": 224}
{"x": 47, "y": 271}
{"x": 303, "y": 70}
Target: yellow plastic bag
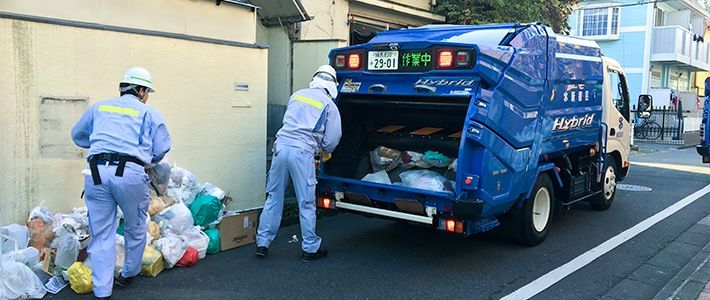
{"x": 80, "y": 278}
{"x": 152, "y": 263}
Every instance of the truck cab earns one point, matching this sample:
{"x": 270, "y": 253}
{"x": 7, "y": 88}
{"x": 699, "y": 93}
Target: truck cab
{"x": 526, "y": 120}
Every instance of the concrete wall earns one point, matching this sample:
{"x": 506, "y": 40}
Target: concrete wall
{"x": 308, "y": 56}
{"x": 218, "y": 133}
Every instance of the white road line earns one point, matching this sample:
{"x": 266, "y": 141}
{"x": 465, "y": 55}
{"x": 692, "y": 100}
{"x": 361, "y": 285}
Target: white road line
{"x": 684, "y": 168}
{"x": 547, "y": 280}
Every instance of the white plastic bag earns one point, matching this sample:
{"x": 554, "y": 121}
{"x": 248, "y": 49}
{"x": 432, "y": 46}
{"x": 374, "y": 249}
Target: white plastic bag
{"x": 177, "y": 216}
{"x": 172, "y": 247}
{"x": 416, "y": 160}
{"x": 78, "y": 221}
{"x": 212, "y": 190}
{"x": 424, "y": 179}
{"x": 197, "y": 239}
{"x": 18, "y": 281}
{"x": 378, "y": 177}
{"x": 120, "y": 255}
{"x": 67, "y": 249}
{"x": 14, "y": 237}
{"x": 28, "y": 256}
{"x": 454, "y": 165}
{"x": 183, "y": 185}
{"x": 41, "y": 212}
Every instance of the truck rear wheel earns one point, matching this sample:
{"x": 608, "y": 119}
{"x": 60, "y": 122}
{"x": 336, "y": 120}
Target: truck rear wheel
{"x": 604, "y": 200}
{"x": 536, "y": 212}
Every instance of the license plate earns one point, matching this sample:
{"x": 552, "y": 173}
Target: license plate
{"x": 382, "y": 60}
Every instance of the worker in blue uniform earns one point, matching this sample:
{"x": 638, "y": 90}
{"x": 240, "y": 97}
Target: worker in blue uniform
{"x": 123, "y": 135}
{"x": 311, "y": 125}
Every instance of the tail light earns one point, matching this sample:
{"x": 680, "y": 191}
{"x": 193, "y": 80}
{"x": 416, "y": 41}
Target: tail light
{"x": 340, "y": 61}
{"x": 463, "y": 58}
{"x": 325, "y": 202}
{"x": 451, "y": 225}
{"x": 445, "y": 59}
{"x": 354, "y": 61}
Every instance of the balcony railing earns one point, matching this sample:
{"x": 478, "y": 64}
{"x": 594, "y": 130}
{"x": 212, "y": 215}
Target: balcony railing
{"x": 675, "y": 44}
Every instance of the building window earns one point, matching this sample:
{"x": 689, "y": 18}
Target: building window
{"x": 599, "y": 22}
{"x": 655, "y": 78}
{"x": 678, "y": 80}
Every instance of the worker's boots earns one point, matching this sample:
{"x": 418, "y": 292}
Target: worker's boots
{"x": 321, "y": 253}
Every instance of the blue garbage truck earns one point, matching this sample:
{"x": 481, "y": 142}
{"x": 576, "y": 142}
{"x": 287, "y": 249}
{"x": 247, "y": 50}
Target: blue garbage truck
{"x": 702, "y": 148}
{"x": 468, "y": 127}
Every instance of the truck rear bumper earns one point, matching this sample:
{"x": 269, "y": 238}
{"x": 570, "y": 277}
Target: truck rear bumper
{"x": 385, "y": 213}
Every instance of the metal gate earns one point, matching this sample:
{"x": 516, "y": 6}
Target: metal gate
{"x": 663, "y": 124}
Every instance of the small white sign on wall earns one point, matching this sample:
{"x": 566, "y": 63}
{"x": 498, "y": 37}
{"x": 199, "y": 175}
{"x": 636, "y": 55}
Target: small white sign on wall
{"x": 241, "y": 86}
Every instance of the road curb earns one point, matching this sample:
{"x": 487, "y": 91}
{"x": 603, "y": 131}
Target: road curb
{"x": 692, "y": 278}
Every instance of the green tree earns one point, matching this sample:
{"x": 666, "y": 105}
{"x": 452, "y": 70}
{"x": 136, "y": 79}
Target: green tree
{"x": 551, "y": 12}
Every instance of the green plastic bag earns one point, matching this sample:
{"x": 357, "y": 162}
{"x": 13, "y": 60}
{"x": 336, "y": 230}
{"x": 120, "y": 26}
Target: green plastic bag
{"x": 213, "y": 246}
{"x": 121, "y": 227}
{"x": 205, "y": 209}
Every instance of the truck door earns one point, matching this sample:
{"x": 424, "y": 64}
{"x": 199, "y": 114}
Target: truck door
{"x": 617, "y": 113}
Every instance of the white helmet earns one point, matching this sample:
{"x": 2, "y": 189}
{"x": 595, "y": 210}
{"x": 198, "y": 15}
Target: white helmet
{"x": 328, "y": 71}
{"x": 325, "y": 78}
{"x": 138, "y": 76}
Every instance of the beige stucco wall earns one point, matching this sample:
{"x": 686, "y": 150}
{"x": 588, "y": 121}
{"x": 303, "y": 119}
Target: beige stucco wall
{"x": 218, "y": 133}
{"x": 330, "y": 20}
{"x": 193, "y": 17}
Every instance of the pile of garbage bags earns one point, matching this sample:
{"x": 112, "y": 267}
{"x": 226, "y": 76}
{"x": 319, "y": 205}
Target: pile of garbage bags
{"x": 427, "y": 171}
{"x": 49, "y": 251}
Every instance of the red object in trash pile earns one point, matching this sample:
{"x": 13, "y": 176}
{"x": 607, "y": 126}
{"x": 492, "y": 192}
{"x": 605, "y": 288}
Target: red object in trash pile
{"x": 189, "y": 259}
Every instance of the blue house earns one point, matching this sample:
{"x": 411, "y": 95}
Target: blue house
{"x": 660, "y": 44}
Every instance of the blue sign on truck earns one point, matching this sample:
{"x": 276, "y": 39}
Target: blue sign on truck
{"x": 702, "y": 148}
{"x": 524, "y": 120}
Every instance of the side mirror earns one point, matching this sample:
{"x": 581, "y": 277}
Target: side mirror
{"x": 645, "y": 106}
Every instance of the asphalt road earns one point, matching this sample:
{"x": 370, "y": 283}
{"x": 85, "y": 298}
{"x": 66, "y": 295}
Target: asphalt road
{"x": 372, "y": 258}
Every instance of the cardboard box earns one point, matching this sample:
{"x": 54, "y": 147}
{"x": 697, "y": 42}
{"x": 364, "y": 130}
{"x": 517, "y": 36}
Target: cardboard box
{"x": 239, "y": 230}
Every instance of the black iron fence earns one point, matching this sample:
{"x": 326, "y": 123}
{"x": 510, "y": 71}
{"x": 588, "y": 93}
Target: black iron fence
{"x": 662, "y": 124}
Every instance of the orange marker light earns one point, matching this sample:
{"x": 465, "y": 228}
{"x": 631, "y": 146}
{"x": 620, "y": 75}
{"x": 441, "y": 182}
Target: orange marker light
{"x": 459, "y": 227}
{"x": 326, "y": 202}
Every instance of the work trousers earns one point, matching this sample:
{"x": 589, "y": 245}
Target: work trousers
{"x": 130, "y": 192}
{"x": 298, "y": 164}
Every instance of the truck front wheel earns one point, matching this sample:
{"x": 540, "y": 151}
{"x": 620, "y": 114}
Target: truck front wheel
{"x": 603, "y": 201}
{"x": 536, "y": 212}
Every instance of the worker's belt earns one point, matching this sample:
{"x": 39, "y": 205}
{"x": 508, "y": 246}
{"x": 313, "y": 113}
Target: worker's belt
{"x": 111, "y": 159}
